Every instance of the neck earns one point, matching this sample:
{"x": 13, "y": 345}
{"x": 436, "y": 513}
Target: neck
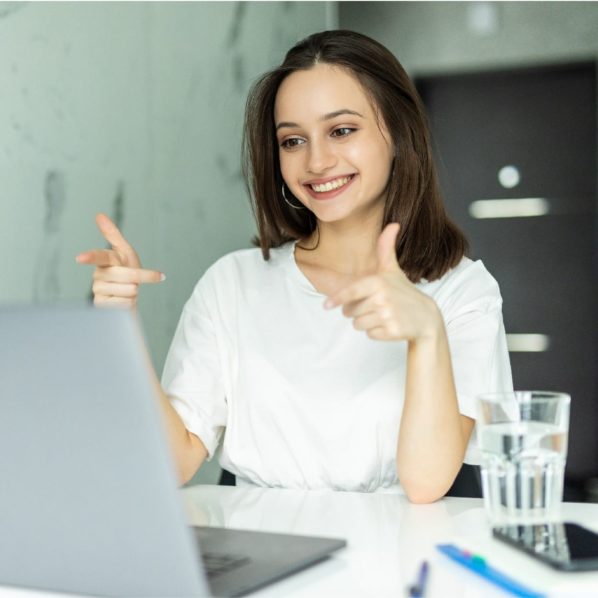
{"x": 345, "y": 247}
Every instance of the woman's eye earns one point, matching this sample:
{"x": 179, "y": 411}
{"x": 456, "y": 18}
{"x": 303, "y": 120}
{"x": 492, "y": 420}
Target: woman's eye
{"x": 291, "y": 143}
{"x": 342, "y": 131}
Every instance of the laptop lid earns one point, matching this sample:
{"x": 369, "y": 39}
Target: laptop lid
{"x": 89, "y": 501}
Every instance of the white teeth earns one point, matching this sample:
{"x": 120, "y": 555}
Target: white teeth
{"x": 330, "y": 185}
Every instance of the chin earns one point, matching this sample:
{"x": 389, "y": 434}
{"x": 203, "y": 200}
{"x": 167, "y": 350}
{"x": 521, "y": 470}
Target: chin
{"x": 330, "y": 216}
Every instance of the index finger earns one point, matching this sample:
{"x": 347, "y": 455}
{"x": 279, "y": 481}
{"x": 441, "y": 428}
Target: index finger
{"x": 355, "y": 291}
{"x": 122, "y": 274}
{"x": 98, "y": 257}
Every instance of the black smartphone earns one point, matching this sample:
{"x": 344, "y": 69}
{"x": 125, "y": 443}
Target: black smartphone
{"x": 564, "y": 546}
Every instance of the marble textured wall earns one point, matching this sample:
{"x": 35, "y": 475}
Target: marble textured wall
{"x": 134, "y": 109}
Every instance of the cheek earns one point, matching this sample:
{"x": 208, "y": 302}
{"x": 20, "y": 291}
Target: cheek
{"x": 374, "y": 161}
{"x": 287, "y": 166}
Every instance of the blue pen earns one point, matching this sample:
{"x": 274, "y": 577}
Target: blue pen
{"x": 417, "y": 590}
{"x": 478, "y": 565}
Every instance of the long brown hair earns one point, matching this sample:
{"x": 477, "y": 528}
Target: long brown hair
{"x": 429, "y": 244}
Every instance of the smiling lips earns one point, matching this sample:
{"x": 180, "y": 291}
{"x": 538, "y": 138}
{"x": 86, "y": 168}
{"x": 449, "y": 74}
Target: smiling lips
{"x": 330, "y": 188}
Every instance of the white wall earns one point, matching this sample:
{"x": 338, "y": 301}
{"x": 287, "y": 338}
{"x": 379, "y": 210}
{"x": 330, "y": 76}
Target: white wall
{"x": 132, "y": 108}
{"x": 432, "y": 37}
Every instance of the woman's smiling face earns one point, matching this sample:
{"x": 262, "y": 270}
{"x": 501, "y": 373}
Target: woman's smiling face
{"x": 335, "y": 153}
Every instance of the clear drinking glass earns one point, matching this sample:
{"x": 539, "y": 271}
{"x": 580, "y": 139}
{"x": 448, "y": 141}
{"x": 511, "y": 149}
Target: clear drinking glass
{"x": 522, "y": 436}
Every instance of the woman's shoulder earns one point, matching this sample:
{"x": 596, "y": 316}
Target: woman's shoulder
{"x": 252, "y": 260}
{"x": 243, "y": 267}
{"x": 468, "y": 285}
{"x": 250, "y": 257}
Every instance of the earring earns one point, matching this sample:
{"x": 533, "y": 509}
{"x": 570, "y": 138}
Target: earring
{"x": 289, "y": 203}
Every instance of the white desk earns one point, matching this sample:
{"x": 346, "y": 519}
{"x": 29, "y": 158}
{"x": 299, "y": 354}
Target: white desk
{"x": 387, "y": 539}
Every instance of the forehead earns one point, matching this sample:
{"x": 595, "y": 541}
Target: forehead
{"x": 322, "y": 89}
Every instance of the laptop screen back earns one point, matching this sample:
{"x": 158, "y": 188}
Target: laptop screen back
{"x": 89, "y": 501}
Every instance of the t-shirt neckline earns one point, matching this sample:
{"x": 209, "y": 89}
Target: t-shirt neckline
{"x": 297, "y": 274}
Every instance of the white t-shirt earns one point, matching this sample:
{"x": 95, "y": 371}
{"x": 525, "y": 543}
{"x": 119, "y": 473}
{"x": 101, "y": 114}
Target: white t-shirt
{"x": 305, "y": 400}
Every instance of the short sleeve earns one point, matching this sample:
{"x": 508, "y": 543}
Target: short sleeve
{"x": 192, "y": 376}
{"x": 477, "y": 340}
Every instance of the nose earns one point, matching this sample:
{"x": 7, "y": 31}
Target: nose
{"x": 320, "y": 157}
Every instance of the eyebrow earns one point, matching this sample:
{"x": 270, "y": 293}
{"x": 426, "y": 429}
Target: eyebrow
{"x": 328, "y": 116}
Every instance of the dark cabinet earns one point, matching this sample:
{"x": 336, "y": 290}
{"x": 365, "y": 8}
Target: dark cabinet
{"x": 529, "y": 135}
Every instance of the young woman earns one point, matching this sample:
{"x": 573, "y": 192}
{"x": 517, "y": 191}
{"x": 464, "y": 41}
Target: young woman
{"x": 347, "y": 351}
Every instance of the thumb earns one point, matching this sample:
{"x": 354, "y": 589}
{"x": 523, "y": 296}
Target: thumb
{"x": 387, "y": 253}
{"x": 112, "y": 234}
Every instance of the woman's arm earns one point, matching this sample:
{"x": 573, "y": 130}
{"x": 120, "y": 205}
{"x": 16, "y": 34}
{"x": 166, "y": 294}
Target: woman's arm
{"x": 188, "y": 450}
{"x": 433, "y": 434}
{"x": 117, "y": 276}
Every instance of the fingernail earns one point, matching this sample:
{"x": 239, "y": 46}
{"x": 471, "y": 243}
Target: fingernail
{"x": 328, "y": 304}
{"x": 162, "y": 277}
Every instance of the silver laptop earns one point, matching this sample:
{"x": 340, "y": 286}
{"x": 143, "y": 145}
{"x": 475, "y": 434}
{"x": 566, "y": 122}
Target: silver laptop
{"x": 89, "y": 501}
